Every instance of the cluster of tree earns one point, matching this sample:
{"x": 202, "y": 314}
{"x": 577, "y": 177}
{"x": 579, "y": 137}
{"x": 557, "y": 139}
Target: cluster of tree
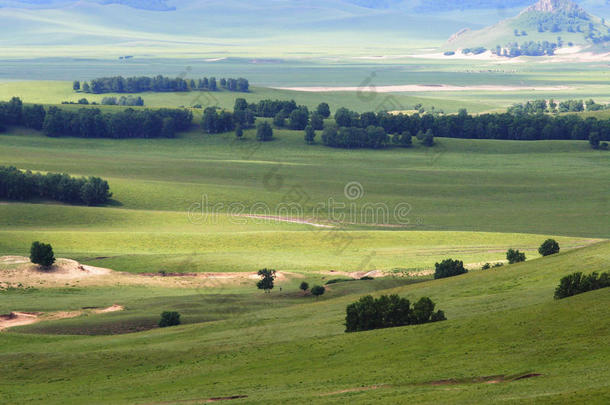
{"x": 578, "y": 283}
{"x": 316, "y": 290}
{"x": 497, "y": 126}
{"x": 124, "y": 101}
{"x": 128, "y": 123}
{"x": 575, "y": 20}
{"x": 475, "y": 51}
{"x": 42, "y": 254}
{"x": 449, "y": 268}
{"x": 13, "y": 112}
{"x": 169, "y": 318}
{"x": 370, "y": 313}
{"x": 372, "y": 137}
{"x": 529, "y": 48}
{"x": 514, "y": 256}
{"x": 120, "y": 84}
{"x": 551, "y": 106}
{"x": 19, "y": 185}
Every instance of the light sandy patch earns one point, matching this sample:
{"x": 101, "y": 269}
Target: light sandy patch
{"x": 357, "y": 389}
{"x": 27, "y": 318}
{"x": 289, "y": 220}
{"x": 356, "y": 275}
{"x": 68, "y": 272}
{"x": 422, "y": 88}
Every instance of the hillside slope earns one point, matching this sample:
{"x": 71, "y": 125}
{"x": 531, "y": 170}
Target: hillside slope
{"x": 506, "y": 339}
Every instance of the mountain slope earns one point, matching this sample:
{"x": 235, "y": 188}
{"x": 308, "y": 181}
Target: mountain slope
{"x": 559, "y": 22}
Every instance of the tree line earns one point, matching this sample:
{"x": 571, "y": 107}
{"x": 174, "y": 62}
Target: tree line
{"x": 370, "y": 313}
{"x": 128, "y": 123}
{"x": 22, "y": 186}
{"x": 578, "y": 283}
{"x": 93, "y": 123}
{"x": 159, "y": 83}
{"x": 542, "y": 106}
{"x": 509, "y": 126}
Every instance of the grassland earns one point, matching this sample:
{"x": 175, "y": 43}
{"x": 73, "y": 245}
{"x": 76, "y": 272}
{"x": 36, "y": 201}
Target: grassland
{"x": 291, "y": 349}
{"x": 467, "y": 199}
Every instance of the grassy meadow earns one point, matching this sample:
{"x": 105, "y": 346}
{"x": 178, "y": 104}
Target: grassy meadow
{"x": 181, "y": 206}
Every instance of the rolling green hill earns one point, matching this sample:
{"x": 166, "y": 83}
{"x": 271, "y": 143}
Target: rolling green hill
{"x": 506, "y": 339}
{"x": 544, "y": 21}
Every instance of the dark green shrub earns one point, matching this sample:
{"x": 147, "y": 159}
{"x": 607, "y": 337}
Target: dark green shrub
{"x": 578, "y": 283}
{"x": 42, "y": 254}
{"x": 304, "y": 286}
{"x": 449, "y": 268}
{"x": 486, "y": 266}
{"x": 169, "y": 319}
{"x": 549, "y": 247}
{"x": 514, "y": 256}
{"x": 317, "y": 290}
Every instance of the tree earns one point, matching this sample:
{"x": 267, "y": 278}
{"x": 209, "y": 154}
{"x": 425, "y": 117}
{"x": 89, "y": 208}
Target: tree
{"x": 514, "y": 256}
{"x": 169, "y": 318}
{"x": 317, "y": 122}
{"x": 594, "y": 140}
{"x": 304, "y": 286}
{"x": 324, "y": 110}
{"x": 317, "y": 290}
{"x": 279, "y": 120}
{"x": 299, "y": 119}
{"x": 238, "y": 131}
{"x": 310, "y": 134}
{"x": 267, "y": 279}
{"x": 427, "y": 139}
{"x": 449, "y": 268}
{"x": 76, "y": 85}
{"x": 95, "y": 191}
{"x": 42, "y": 254}
{"x": 86, "y": 87}
{"x": 33, "y": 116}
{"x": 549, "y": 247}
{"x": 264, "y": 132}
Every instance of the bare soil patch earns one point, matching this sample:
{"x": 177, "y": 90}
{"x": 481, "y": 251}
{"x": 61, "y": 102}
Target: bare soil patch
{"x": 357, "y": 389}
{"x": 494, "y": 379}
{"x": 27, "y": 318}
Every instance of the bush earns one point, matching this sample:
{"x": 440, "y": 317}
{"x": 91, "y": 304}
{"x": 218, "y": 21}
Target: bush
{"x": 514, "y": 256}
{"x": 169, "y": 319}
{"x": 317, "y": 290}
{"x": 42, "y": 254}
{"x": 486, "y": 266}
{"x": 449, "y": 268}
{"x": 549, "y": 247}
{"x": 264, "y": 132}
{"x": 370, "y": 313}
{"x": 577, "y": 283}
{"x": 304, "y": 286}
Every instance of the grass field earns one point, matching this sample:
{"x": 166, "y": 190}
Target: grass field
{"x": 501, "y": 323}
{"x": 179, "y": 206}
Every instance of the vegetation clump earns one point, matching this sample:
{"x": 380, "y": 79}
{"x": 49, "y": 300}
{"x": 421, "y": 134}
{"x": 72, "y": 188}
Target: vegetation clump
{"x": 549, "y": 247}
{"x": 514, "y": 256}
{"x": 266, "y": 282}
{"x": 22, "y": 186}
{"x": 370, "y": 313}
{"x": 449, "y": 268}
{"x": 169, "y": 318}
{"x": 578, "y": 283}
{"x": 317, "y": 290}
{"x": 42, "y": 254}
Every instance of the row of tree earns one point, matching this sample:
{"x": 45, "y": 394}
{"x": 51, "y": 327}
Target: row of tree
{"x": 578, "y": 283}
{"x": 510, "y": 126}
{"x": 22, "y": 186}
{"x": 130, "y": 101}
{"x": 544, "y": 106}
{"x": 128, "y": 123}
{"x": 159, "y": 83}
{"x": 370, "y": 313}
{"x": 14, "y": 112}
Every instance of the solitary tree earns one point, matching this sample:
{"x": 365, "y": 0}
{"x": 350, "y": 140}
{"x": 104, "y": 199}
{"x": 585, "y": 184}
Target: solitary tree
{"x": 264, "y": 132}
{"x": 239, "y": 132}
{"x": 267, "y": 279}
{"x": 86, "y": 87}
{"x": 304, "y": 286}
{"x": 310, "y": 134}
{"x": 76, "y": 85}
{"x": 549, "y": 247}
{"x": 169, "y": 319}
{"x": 42, "y": 254}
{"x": 317, "y": 290}
{"x": 514, "y": 256}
